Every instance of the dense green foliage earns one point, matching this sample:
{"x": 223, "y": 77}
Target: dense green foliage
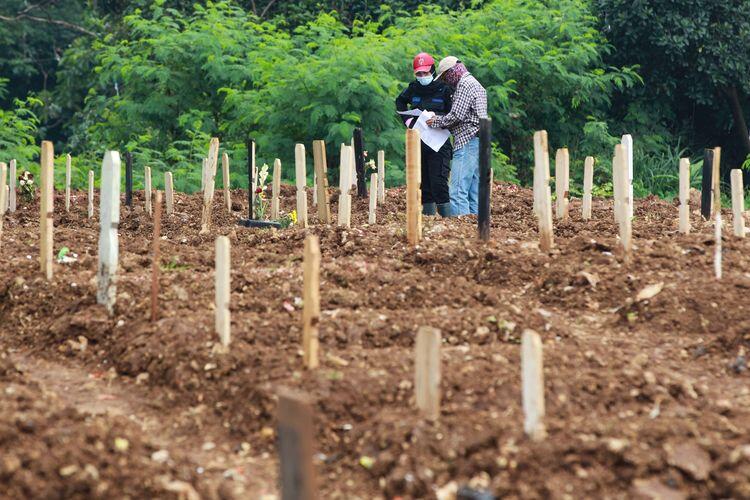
{"x": 159, "y": 78}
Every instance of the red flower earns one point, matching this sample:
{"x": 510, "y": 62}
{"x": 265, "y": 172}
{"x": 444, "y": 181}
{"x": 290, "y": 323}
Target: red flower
{"x": 258, "y": 190}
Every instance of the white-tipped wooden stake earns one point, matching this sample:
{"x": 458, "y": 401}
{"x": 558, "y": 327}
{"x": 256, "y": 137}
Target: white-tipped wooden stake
{"x": 208, "y": 194}
{"x": 226, "y": 182}
{"x": 738, "y": 203}
{"x": 68, "y": 160}
{"x": 345, "y": 186}
{"x": 622, "y": 200}
{"x": 169, "y": 192}
{"x": 717, "y": 246}
{"x": 381, "y": 176}
{"x": 204, "y": 173}
{"x": 684, "y": 195}
{"x": 413, "y": 187}
{"x": 532, "y": 384}
{"x": 321, "y": 175}
{"x": 588, "y": 186}
{"x": 541, "y": 168}
{"x": 616, "y": 188}
{"x": 12, "y": 176}
{"x": 716, "y": 182}
{"x": 300, "y": 169}
{"x": 222, "y": 290}
{"x": 3, "y": 197}
{"x": 354, "y": 168}
{"x": 90, "y": 211}
{"x": 562, "y": 182}
{"x": 542, "y": 193}
{"x": 275, "y": 188}
{"x": 109, "y": 219}
{"x": 46, "y": 208}
{"x": 147, "y": 189}
{"x": 311, "y": 301}
{"x": 627, "y": 144}
{"x": 373, "y": 198}
{"x": 427, "y": 372}
{"x": 315, "y": 188}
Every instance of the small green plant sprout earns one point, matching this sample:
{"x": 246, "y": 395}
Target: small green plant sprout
{"x": 174, "y": 265}
{"x": 65, "y": 256}
{"x": 26, "y": 181}
{"x": 746, "y": 164}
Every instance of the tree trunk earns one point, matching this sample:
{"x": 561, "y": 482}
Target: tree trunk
{"x": 740, "y": 125}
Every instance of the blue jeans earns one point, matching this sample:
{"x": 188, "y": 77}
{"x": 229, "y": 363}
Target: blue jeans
{"x": 464, "y": 187}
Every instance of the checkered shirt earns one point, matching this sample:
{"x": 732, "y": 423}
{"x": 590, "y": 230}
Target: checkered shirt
{"x": 469, "y": 105}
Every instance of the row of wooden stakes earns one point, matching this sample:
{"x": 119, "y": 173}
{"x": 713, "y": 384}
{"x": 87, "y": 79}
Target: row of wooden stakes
{"x": 623, "y": 193}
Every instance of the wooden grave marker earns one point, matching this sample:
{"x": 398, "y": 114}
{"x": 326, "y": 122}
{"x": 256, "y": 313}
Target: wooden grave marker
{"x": 716, "y": 181}
{"x": 427, "y": 371}
{"x": 717, "y": 246}
{"x": 155, "y": 260}
{"x": 532, "y": 384}
{"x": 222, "y": 285}
{"x": 12, "y": 177}
{"x": 345, "y": 186}
{"x": 381, "y": 176}
{"x": 485, "y": 178}
{"x": 295, "y": 442}
{"x": 3, "y": 197}
{"x": 372, "y": 217}
{"x": 147, "y": 190}
{"x": 311, "y": 301}
{"x": 413, "y": 187}
{"x": 542, "y": 193}
{"x": 46, "y": 208}
{"x": 588, "y": 187}
{"x": 90, "y": 211}
{"x": 707, "y": 183}
{"x": 321, "y": 173}
{"x": 562, "y": 182}
{"x": 300, "y": 169}
{"x": 208, "y": 194}
{"x": 68, "y": 161}
{"x": 226, "y": 182}
{"x": 169, "y": 192}
{"x": 738, "y": 203}
{"x": 684, "y": 226}
{"x": 275, "y": 188}
{"x": 109, "y": 220}
{"x": 128, "y": 179}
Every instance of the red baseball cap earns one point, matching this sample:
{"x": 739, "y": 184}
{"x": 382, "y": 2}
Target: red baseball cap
{"x": 423, "y": 62}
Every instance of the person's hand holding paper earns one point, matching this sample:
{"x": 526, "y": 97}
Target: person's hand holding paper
{"x": 433, "y": 137}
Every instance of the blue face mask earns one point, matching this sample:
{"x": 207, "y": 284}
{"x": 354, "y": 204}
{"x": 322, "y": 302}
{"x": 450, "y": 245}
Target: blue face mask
{"x": 425, "y": 80}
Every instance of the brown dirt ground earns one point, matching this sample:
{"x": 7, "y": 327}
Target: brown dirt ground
{"x": 644, "y": 398}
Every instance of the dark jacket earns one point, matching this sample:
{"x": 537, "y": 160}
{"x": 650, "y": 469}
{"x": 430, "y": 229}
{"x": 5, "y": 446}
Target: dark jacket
{"x": 436, "y": 97}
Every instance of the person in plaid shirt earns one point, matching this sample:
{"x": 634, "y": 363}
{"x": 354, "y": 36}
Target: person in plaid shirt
{"x": 469, "y": 105}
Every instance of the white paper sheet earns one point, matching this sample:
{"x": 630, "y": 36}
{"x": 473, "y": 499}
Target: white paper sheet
{"x": 433, "y": 137}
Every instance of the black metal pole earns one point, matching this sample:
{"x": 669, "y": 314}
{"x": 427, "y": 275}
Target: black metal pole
{"x": 250, "y": 195}
{"x": 485, "y": 169}
{"x": 128, "y": 179}
{"x": 359, "y": 158}
{"x": 708, "y": 170}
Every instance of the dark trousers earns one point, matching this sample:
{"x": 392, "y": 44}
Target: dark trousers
{"x": 436, "y": 167}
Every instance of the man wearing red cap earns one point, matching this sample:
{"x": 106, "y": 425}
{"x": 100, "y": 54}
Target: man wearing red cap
{"x": 428, "y": 94}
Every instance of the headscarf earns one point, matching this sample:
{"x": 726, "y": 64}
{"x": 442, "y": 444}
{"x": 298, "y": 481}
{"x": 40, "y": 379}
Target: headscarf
{"x": 453, "y": 75}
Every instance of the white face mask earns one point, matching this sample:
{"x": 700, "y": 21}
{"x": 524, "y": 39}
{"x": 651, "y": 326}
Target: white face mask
{"x": 425, "y": 80}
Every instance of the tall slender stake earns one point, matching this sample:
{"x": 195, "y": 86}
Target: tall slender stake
{"x": 716, "y": 181}
{"x": 226, "y": 182}
{"x": 250, "y": 146}
{"x": 562, "y": 182}
{"x": 46, "y": 208}
{"x": 321, "y": 175}
{"x": 738, "y": 203}
{"x": 169, "y": 192}
{"x": 627, "y": 144}
{"x": 532, "y": 383}
{"x": 381, "y": 176}
{"x": 717, "y": 246}
{"x": 295, "y": 442}
{"x": 684, "y": 195}
{"x": 275, "y": 188}
{"x": 155, "y": 268}
{"x": 485, "y": 178}
{"x": 588, "y": 186}
{"x": 3, "y": 197}
{"x": 707, "y": 184}
{"x": 147, "y": 190}
{"x": 413, "y": 184}
{"x": 311, "y": 301}
{"x": 427, "y": 371}
{"x": 208, "y": 194}
{"x": 359, "y": 153}
{"x": 109, "y": 219}
{"x": 12, "y": 183}
{"x": 222, "y": 277}
{"x": 345, "y": 186}
{"x": 542, "y": 193}
{"x": 372, "y": 218}
{"x": 91, "y": 195}
{"x": 129, "y": 179}
{"x": 300, "y": 169}
{"x": 68, "y": 160}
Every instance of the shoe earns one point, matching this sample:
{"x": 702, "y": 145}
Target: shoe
{"x": 444, "y": 209}
{"x": 428, "y": 209}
